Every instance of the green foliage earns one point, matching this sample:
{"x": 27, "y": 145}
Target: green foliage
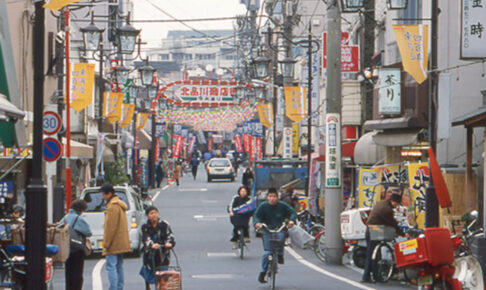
{"x": 115, "y": 172}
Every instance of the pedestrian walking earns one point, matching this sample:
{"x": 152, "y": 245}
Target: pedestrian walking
{"x": 194, "y": 165}
{"x": 247, "y": 179}
{"x": 177, "y": 172}
{"x": 74, "y": 266}
{"x": 116, "y": 241}
{"x": 159, "y": 174}
{"x": 157, "y": 240}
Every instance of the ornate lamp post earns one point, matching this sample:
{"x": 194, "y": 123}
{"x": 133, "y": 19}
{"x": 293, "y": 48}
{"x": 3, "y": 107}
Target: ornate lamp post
{"x": 287, "y": 67}
{"x": 260, "y": 66}
{"x": 397, "y": 4}
{"x": 127, "y": 38}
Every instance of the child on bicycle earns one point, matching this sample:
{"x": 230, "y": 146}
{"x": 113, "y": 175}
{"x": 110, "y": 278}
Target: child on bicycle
{"x": 273, "y": 213}
{"x": 157, "y": 239}
{"x": 240, "y": 221}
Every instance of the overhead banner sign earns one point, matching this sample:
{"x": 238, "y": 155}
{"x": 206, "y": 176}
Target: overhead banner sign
{"x": 413, "y": 43}
{"x": 389, "y": 91}
{"x": 296, "y": 103}
{"x": 141, "y": 120}
{"x": 368, "y": 179}
{"x": 82, "y": 79}
{"x": 349, "y": 54}
{"x": 112, "y": 107}
{"x": 473, "y": 36}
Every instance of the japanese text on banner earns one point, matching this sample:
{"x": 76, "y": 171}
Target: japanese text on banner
{"x": 82, "y": 79}
{"x": 413, "y": 43}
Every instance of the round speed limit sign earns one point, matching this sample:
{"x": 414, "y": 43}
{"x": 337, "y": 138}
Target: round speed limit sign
{"x": 51, "y": 123}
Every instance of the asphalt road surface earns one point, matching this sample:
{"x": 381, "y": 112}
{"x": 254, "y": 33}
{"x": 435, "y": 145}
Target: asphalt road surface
{"x": 197, "y": 213}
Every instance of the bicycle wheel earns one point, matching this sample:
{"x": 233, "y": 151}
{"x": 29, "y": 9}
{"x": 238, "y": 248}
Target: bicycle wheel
{"x": 316, "y": 229}
{"x": 383, "y": 261}
{"x": 319, "y": 247}
{"x": 272, "y": 274}
{"x": 241, "y": 244}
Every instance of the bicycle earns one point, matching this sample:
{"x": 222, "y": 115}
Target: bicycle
{"x": 276, "y": 242}
{"x": 241, "y": 244}
{"x": 307, "y": 221}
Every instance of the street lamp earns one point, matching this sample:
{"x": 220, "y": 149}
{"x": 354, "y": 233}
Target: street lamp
{"x": 121, "y": 74}
{"x": 352, "y": 4}
{"x": 397, "y": 4}
{"x": 127, "y": 37}
{"x": 152, "y": 91}
{"x": 260, "y": 65}
{"x": 92, "y": 36}
{"x": 146, "y": 74}
{"x": 287, "y": 67}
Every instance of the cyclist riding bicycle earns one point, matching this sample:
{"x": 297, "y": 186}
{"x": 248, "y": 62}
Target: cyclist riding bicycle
{"x": 273, "y": 213}
{"x": 381, "y": 214}
{"x": 240, "y": 221}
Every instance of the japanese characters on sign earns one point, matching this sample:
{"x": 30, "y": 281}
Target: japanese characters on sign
{"x": 201, "y": 93}
{"x": 349, "y": 54}
{"x": 82, "y": 79}
{"x": 316, "y": 75}
{"x": 6, "y": 189}
{"x": 413, "y": 40}
{"x": 296, "y": 103}
{"x": 333, "y": 150}
{"x": 473, "y": 36}
{"x": 389, "y": 91}
{"x": 287, "y": 150}
{"x": 112, "y": 106}
{"x": 368, "y": 179}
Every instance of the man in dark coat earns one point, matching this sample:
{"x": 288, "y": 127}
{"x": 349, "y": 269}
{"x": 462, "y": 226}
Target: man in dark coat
{"x": 381, "y": 214}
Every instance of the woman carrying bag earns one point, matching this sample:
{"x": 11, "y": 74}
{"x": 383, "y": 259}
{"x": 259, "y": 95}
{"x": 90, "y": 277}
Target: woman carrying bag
{"x": 75, "y": 263}
{"x": 158, "y": 240}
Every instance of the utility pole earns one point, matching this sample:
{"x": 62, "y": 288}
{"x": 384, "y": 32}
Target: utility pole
{"x": 334, "y": 245}
{"x": 431, "y": 203}
{"x": 309, "y": 109}
{"x": 36, "y": 193}
{"x": 287, "y": 81}
{"x": 101, "y": 84}
{"x": 367, "y": 52}
{"x": 58, "y": 203}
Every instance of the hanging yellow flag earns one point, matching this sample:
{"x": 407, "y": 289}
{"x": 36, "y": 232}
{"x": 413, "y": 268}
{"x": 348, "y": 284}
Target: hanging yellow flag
{"x": 413, "y": 43}
{"x": 265, "y": 114}
{"x": 82, "y": 80}
{"x": 55, "y": 5}
{"x": 295, "y": 103}
{"x": 127, "y": 114}
{"x": 141, "y": 120}
{"x": 112, "y": 107}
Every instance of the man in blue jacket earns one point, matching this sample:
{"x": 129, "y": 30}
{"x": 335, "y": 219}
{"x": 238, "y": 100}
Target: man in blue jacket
{"x": 273, "y": 213}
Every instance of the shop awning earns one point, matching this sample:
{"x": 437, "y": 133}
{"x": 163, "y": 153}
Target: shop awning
{"x": 8, "y": 113}
{"x": 367, "y": 152}
{"x": 347, "y": 150}
{"x": 406, "y": 122}
{"x": 475, "y": 118}
{"x": 78, "y": 149}
{"x": 396, "y": 138}
{"x": 144, "y": 140}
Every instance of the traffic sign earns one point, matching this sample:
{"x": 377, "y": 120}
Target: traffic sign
{"x": 51, "y": 123}
{"x": 52, "y": 149}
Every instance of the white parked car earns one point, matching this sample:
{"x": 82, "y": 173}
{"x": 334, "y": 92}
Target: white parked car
{"x": 220, "y": 168}
{"x": 95, "y": 216}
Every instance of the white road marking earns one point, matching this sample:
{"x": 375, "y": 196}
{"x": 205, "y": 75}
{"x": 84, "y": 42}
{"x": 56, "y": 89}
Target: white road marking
{"x": 193, "y": 189}
{"x": 231, "y": 254}
{"x": 204, "y": 189}
{"x": 209, "y": 201}
{"x": 303, "y": 261}
{"x": 214, "y": 276}
{"x": 157, "y": 194}
{"x": 212, "y": 216}
{"x": 96, "y": 275}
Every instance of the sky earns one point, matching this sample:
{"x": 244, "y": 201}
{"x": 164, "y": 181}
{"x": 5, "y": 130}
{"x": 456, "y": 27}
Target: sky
{"x": 182, "y": 9}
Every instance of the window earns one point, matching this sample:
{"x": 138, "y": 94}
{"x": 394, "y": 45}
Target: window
{"x": 412, "y": 11}
{"x": 164, "y": 56}
{"x": 96, "y": 203}
{"x": 219, "y": 163}
{"x": 205, "y": 56}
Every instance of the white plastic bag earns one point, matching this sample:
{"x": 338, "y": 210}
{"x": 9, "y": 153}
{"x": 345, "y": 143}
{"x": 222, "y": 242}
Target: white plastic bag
{"x": 299, "y": 237}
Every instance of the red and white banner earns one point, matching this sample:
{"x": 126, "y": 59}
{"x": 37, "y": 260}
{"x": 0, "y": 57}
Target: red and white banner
{"x": 259, "y": 148}
{"x": 157, "y": 150}
{"x": 210, "y": 144}
{"x": 246, "y": 142}
{"x": 191, "y": 144}
{"x": 238, "y": 146}
{"x": 178, "y": 146}
{"x": 349, "y": 54}
{"x": 252, "y": 148}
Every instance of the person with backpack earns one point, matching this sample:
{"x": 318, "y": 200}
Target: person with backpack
{"x": 74, "y": 266}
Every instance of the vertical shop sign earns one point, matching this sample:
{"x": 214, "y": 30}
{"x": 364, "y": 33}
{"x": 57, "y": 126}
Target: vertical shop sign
{"x": 333, "y": 150}
{"x": 473, "y": 22}
{"x": 389, "y": 91}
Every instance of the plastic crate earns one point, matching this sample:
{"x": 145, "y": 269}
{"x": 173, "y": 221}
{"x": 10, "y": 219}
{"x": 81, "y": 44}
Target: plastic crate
{"x": 434, "y": 248}
{"x": 381, "y": 233}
